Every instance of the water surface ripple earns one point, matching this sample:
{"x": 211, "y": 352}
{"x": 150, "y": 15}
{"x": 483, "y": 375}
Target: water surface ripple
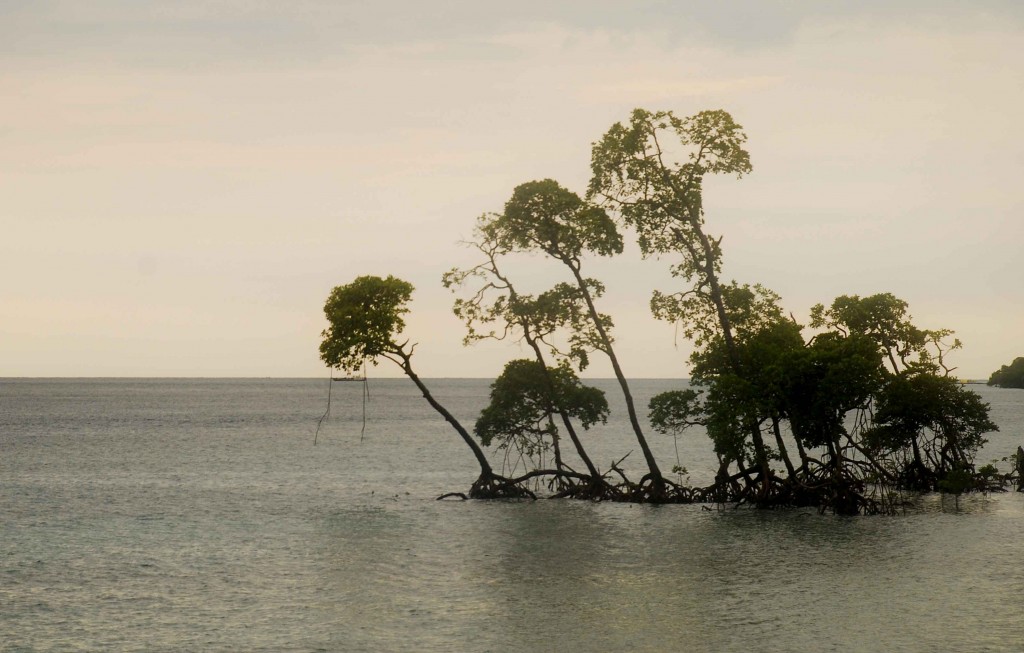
{"x": 187, "y": 515}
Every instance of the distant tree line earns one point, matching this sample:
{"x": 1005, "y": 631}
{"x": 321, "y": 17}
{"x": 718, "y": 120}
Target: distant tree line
{"x": 1009, "y": 376}
{"x": 845, "y": 418}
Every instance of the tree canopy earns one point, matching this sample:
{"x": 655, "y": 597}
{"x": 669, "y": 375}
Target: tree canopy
{"x": 365, "y": 318}
{"x": 525, "y": 397}
{"x": 857, "y": 407}
{"x": 1009, "y": 376}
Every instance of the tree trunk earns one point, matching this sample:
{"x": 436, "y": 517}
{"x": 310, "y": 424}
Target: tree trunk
{"x": 565, "y": 419}
{"x": 485, "y": 466}
{"x": 782, "y": 447}
{"x": 1019, "y": 467}
{"x": 708, "y": 264}
{"x": 554, "y": 442}
{"x": 634, "y": 421}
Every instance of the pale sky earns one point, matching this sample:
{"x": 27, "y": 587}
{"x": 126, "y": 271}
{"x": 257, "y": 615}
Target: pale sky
{"x": 182, "y": 183}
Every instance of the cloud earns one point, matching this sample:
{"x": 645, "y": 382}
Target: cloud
{"x": 662, "y": 91}
{"x": 260, "y": 154}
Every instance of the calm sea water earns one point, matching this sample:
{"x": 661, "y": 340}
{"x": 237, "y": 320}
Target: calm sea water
{"x": 197, "y": 515}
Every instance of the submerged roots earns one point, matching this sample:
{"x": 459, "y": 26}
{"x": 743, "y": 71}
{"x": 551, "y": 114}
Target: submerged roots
{"x": 839, "y": 484}
{"x": 829, "y": 490}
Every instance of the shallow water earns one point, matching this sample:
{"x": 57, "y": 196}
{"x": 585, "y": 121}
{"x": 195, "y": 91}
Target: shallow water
{"x": 197, "y": 515}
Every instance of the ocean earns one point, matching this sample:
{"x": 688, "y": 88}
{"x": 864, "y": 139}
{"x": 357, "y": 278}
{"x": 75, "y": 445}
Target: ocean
{"x": 199, "y": 515}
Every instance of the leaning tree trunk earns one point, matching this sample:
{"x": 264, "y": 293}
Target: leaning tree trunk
{"x": 706, "y": 257}
{"x": 489, "y": 485}
{"x": 569, "y": 428}
{"x": 657, "y": 480}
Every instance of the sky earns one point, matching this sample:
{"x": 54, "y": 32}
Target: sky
{"x": 182, "y": 184}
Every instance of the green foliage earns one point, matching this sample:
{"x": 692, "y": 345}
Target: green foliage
{"x": 652, "y": 168}
{"x": 758, "y": 373}
{"x": 883, "y": 317}
{"x": 988, "y": 472}
{"x": 365, "y": 317}
{"x": 773, "y": 375}
{"x": 675, "y": 411}
{"x": 743, "y": 395}
{"x": 758, "y": 356}
{"x": 939, "y": 415}
{"x": 867, "y": 400}
{"x": 747, "y": 308}
{"x": 727, "y": 418}
{"x": 542, "y": 215}
{"x": 744, "y": 383}
{"x": 818, "y": 385}
{"x": 495, "y": 309}
{"x": 651, "y": 172}
{"x": 526, "y": 395}
{"x": 956, "y": 481}
{"x": 564, "y": 306}
{"x": 1009, "y": 376}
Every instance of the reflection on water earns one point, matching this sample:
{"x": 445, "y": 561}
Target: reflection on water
{"x": 566, "y": 576}
{"x": 197, "y": 515}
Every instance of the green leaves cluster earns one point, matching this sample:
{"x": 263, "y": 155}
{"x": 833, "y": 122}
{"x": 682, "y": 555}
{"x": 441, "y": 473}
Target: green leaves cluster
{"x": 747, "y": 309}
{"x": 870, "y": 382}
{"x": 545, "y": 216}
{"x": 936, "y": 414}
{"x": 884, "y": 319}
{"x": 526, "y": 396}
{"x": 365, "y": 317}
{"x": 651, "y": 170}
